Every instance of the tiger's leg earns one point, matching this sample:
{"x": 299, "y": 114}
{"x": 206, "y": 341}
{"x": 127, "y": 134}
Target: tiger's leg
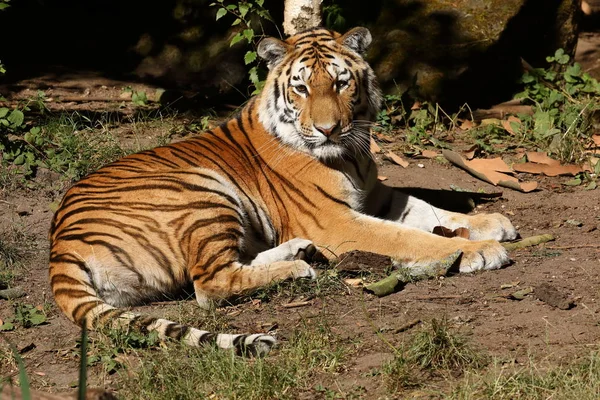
{"x": 394, "y": 205}
{"x": 347, "y": 230}
{"x": 294, "y": 249}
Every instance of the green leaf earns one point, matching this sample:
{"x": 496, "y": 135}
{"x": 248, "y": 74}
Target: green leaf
{"x": 37, "y": 317}
{"x": 3, "y": 112}
{"x": 35, "y": 130}
{"x": 573, "y": 182}
{"x": 249, "y": 35}
{"x": 7, "y": 326}
{"x": 592, "y": 185}
{"x": 250, "y": 57}
{"x": 3, "y": 6}
{"x": 236, "y": 22}
{"x": 243, "y": 9}
{"x": 235, "y": 39}
{"x": 260, "y": 2}
{"x": 139, "y": 98}
{"x": 221, "y": 13}
{"x": 16, "y": 118}
{"x": 20, "y": 160}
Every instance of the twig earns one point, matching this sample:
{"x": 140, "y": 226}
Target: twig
{"x": 407, "y": 326}
{"x": 295, "y": 304}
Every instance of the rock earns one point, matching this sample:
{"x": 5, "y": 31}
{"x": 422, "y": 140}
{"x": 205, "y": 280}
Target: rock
{"x": 552, "y": 296}
{"x": 464, "y": 50}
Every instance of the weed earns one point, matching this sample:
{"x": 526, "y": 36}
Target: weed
{"x": 15, "y": 247}
{"x": 437, "y": 348}
{"x": 25, "y": 315}
{"x": 564, "y": 100}
{"x": 328, "y": 282}
{"x": 441, "y": 348}
{"x": 110, "y": 344}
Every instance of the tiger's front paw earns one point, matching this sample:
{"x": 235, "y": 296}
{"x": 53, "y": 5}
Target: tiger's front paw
{"x": 486, "y": 226}
{"x": 301, "y": 269}
{"x": 485, "y": 254}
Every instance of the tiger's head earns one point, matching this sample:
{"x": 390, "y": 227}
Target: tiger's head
{"x": 320, "y": 94}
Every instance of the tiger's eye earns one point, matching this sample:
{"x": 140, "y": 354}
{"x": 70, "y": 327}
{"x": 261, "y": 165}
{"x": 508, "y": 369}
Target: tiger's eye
{"x": 302, "y": 89}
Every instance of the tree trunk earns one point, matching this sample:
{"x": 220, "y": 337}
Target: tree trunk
{"x": 300, "y": 15}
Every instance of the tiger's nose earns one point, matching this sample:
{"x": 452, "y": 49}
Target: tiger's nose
{"x": 327, "y": 129}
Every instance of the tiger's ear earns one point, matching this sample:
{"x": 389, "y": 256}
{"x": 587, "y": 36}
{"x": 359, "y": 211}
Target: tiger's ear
{"x": 356, "y": 39}
{"x": 272, "y": 50}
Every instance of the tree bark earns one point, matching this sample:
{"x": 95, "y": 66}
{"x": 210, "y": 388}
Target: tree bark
{"x": 300, "y": 15}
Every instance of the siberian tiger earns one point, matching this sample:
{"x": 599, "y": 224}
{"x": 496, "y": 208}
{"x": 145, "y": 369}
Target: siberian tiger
{"x": 244, "y": 204}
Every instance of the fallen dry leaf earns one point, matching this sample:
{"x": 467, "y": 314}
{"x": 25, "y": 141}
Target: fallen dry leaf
{"x": 506, "y": 124}
{"x": 541, "y": 158}
{"x": 382, "y": 138}
{"x": 375, "y": 147}
{"x": 354, "y": 282}
{"x": 548, "y": 170}
{"x": 396, "y": 159}
{"x": 381, "y": 178}
{"x": 466, "y": 125}
{"x": 469, "y": 154}
{"x": 430, "y": 154}
{"x": 491, "y": 121}
{"x": 493, "y": 171}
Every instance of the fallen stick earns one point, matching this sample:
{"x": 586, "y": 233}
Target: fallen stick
{"x": 407, "y": 326}
{"x": 528, "y": 242}
{"x": 297, "y": 304}
{"x": 405, "y": 275}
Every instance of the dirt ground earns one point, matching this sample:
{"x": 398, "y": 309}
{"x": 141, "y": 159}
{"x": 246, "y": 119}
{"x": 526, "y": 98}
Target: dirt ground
{"x": 514, "y": 330}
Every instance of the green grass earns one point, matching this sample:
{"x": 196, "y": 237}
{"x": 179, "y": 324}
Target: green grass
{"x": 578, "y": 381}
{"x": 15, "y": 246}
{"x": 436, "y": 350}
{"x": 178, "y": 372}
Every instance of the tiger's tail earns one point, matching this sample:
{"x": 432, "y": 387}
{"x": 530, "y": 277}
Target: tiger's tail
{"x": 79, "y": 301}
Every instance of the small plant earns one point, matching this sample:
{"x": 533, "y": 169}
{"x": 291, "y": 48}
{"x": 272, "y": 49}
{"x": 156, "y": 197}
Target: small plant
{"x": 435, "y": 349}
{"x": 248, "y": 14}
{"x": 564, "y": 100}
{"x": 139, "y": 98}
{"x": 25, "y": 315}
{"x": 107, "y": 350}
{"x": 440, "y": 347}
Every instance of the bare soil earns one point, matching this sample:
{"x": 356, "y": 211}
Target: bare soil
{"x": 567, "y": 270}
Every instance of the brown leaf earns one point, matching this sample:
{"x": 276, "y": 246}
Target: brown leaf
{"x": 430, "y": 154}
{"x": 466, "y": 125}
{"x": 506, "y": 124}
{"x": 382, "y": 138}
{"x": 381, "y": 178}
{"x": 469, "y": 154}
{"x": 375, "y": 147}
{"x": 548, "y": 170}
{"x": 491, "y": 171}
{"x": 396, "y": 159}
{"x": 449, "y": 233}
{"x": 541, "y": 158}
{"x": 354, "y": 282}
{"x": 416, "y": 105}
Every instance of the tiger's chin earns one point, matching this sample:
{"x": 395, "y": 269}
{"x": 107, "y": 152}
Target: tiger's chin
{"x": 328, "y": 151}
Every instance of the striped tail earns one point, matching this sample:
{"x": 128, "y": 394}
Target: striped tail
{"x": 79, "y": 300}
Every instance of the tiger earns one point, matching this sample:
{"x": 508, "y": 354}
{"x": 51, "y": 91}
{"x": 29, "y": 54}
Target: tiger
{"x": 251, "y": 201}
